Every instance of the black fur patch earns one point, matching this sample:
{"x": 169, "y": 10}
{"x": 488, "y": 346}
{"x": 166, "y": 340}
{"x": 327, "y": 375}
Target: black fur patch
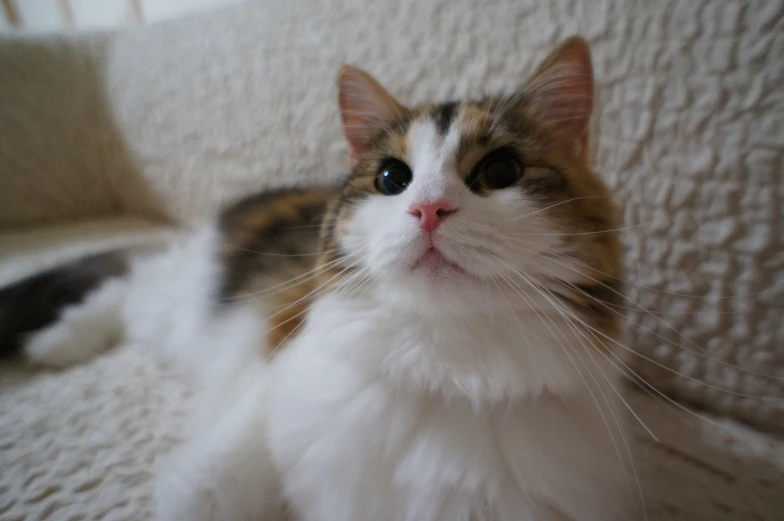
{"x": 443, "y": 115}
{"x": 37, "y": 301}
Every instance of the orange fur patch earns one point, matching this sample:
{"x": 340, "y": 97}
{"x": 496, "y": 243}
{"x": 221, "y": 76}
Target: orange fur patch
{"x": 270, "y": 254}
{"x": 290, "y": 314}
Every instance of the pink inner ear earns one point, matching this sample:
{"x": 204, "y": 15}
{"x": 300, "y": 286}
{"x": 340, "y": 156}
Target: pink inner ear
{"x": 561, "y": 94}
{"x": 356, "y": 127}
{"x": 365, "y": 108}
{"x": 356, "y": 132}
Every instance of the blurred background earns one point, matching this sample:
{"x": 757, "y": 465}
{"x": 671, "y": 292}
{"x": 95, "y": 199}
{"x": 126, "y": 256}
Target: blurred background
{"x": 33, "y": 16}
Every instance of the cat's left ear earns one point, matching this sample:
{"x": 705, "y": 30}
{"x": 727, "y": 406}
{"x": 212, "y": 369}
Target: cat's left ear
{"x": 560, "y": 95}
{"x": 365, "y": 109}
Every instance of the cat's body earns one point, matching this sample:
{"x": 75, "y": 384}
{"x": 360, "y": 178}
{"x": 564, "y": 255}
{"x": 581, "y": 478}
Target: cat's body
{"x": 445, "y": 354}
{"x": 352, "y": 416}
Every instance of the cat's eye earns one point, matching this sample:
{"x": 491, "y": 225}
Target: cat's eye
{"x": 393, "y": 177}
{"x": 500, "y": 172}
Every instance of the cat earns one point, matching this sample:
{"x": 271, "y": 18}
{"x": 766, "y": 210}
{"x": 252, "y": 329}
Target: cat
{"x": 430, "y": 341}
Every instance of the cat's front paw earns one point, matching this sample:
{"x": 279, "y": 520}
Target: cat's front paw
{"x": 207, "y": 480}
{"x": 182, "y": 491}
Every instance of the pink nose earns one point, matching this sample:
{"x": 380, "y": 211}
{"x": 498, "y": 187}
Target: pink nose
{"x": 430, "y": 215}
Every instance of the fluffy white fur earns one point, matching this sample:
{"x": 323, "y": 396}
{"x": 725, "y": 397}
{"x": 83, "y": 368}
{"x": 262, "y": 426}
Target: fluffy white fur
{"x": 382, "y": 415}
{"x": 224, "y": 472}
{"x": 82, "y": 330}
{"x": 170, "y": 302}
{"x": 410, "y": 394}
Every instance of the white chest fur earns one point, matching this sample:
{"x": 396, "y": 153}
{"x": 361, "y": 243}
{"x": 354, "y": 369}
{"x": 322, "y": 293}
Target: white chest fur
{"x": 377, "y": 417}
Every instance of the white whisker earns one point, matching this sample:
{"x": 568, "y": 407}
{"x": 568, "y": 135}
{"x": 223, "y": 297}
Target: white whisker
{"x": 694, "y": 351}
{"x": 548, "y": 208}
{"x": 536, "y": 311}
{"x": 558, "y": 308}
{"x": 637, "y": 307}
{"x": 283, "y": 286}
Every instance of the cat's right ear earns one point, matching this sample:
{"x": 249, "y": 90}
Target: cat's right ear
{"x": 365, "y": 109}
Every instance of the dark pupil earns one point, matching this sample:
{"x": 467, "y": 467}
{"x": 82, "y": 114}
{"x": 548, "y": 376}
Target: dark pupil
{"x": 393, "y": 178}
{"x": 500, "y": 173}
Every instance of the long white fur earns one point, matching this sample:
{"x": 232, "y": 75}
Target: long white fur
{"x": 416, "y": 397}
{"x": 171, "y": 299}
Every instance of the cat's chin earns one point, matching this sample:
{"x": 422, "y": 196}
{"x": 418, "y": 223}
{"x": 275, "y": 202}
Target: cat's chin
{"x": 438, "y": 290}
{"x": 434, "y": 266}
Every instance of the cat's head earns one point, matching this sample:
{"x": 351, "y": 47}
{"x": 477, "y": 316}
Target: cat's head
{"x": 462, "y": 203}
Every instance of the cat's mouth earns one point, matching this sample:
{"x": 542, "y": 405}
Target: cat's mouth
{"x": 434, "y": 262}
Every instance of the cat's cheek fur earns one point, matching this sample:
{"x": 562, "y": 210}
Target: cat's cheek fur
{"x": 382, "y": 233}
{"x": 354, "y": 437}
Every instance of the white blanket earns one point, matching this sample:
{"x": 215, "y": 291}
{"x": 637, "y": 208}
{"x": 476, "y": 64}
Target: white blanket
{"x": 83, "y": 442}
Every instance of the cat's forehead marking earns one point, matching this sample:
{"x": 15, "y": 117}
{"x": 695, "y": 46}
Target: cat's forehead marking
{"x": 432, "y": 153}
{"x": 443, "y": 115}
{"x": 450, "y": 138}
{"x": 430, "y": 149}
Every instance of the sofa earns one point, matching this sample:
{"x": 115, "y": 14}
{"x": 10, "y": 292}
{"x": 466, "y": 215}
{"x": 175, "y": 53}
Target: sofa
{"x": 123, "y": 138}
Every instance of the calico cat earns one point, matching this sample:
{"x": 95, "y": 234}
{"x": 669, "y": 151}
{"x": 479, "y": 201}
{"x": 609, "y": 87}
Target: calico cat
{"x": 428, "y": 342}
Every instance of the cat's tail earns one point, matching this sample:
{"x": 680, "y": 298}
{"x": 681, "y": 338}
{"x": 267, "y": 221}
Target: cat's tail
{"x": 161, "y": 300}
{"x": 65, "y": 314}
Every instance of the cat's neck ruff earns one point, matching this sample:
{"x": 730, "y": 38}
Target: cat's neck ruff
{"x": 417, "y": 417}
{"x": 484, "y": 357}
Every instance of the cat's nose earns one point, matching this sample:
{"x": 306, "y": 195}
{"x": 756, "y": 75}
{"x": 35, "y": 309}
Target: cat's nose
{"x": 431, "y": 214}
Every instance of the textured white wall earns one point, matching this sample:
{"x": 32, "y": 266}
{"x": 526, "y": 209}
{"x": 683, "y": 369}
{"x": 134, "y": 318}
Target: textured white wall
{"x": 36, "y": 16}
